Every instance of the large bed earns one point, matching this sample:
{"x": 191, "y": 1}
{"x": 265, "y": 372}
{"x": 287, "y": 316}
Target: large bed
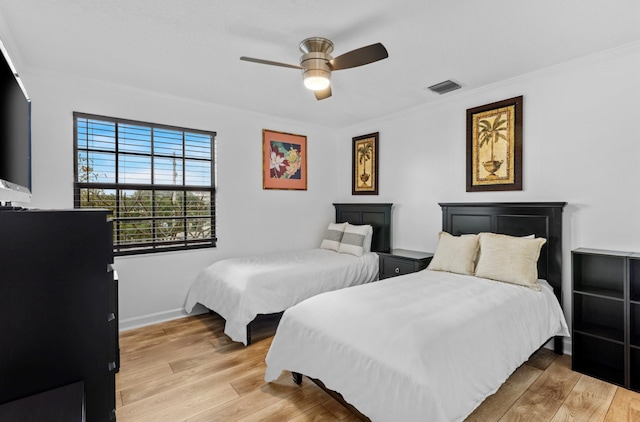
{"x": 240, "y": 289}
{"x": 432, "y": 345}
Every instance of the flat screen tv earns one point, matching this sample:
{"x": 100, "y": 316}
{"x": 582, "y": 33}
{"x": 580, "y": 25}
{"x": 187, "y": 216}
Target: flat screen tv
{"x": 15, "y": 137}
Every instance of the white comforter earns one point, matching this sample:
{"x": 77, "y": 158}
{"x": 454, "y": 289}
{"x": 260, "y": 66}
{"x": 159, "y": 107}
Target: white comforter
{"x": 428, "y": 346}
{"x": 241, "y": 288}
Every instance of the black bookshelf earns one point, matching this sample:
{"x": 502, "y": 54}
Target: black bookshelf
{"x": 606, "y": 315}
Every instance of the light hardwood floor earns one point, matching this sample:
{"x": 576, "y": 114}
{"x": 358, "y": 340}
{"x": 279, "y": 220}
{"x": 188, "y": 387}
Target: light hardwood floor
{"x": 188, "y": 370}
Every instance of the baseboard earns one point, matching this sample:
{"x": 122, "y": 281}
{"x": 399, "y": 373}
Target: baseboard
{"x": 155, "y": 318}
{"x": 566, "y": 345}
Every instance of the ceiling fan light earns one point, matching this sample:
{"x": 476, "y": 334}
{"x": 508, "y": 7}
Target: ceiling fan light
{"x": 316, "y": 83}
{"x": 316, "y": 78}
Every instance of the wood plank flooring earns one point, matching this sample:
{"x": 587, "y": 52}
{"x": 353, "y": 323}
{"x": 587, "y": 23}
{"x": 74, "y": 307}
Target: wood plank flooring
{"x": 188, "y": 370}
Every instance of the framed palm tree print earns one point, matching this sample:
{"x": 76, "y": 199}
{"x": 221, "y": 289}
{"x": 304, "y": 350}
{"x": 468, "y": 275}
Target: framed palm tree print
{"x": 365, "y": 165}
{"x": 494, "y": 146}
{"x": 284, "y": 160}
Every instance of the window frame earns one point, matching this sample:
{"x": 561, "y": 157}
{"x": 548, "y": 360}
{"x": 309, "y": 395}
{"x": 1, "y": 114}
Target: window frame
{"x": 151, "y": 246}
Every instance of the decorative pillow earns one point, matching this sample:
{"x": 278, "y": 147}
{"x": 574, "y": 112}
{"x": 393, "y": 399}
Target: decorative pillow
{"x": 510, "y": 259}
{"x": 368, "y": 237}
{"x": 529, "y": 236}
{"x": 353, "y": 239}
{"x": 455, "y": 254}
{"x": 333, "y": 236}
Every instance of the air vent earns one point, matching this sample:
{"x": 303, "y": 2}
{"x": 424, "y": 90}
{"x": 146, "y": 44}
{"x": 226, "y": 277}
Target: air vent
{"x": 444, "y": 87}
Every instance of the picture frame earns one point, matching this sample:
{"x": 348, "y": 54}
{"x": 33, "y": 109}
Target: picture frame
{"x": 494, "y": 146}
{"x": 365, "y": 164}
{"x": 284, "y": 160}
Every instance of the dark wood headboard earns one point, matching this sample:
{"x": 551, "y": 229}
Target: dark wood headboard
{"x": 542, "y": 219}
{"x": 378, "y": 215}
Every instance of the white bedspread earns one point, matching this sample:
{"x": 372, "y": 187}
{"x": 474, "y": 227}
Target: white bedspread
{"x": 240, "y": 288}
{"x": 428, "y": 346}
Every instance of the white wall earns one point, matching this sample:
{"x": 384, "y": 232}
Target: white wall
{"x": 581, "y": 143}
{"x": 249, "y": 219}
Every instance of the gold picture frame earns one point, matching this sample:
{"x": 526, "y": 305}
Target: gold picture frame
{"x": 284, "y": 160}
{"x": 494, "y": 146}
{"x": 365, "y": 164}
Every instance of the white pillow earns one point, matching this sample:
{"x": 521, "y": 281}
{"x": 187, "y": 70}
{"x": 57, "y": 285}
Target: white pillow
{"x": 368, "y": 237}
{"x": 455, "y": 254}
{"x": 367, "y": 240}
{"x": 353, "y": 239}
{"x": 333, "y": 236}
{"x": 510, "y": 259}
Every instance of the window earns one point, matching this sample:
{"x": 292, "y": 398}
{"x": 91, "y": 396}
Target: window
{"x": 158, "y": 181}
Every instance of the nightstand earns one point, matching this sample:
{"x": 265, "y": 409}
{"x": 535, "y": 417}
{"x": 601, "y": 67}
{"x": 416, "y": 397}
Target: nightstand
{"x": 402, "y": 261}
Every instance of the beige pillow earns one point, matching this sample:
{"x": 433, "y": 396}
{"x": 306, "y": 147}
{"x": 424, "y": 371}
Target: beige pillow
{"x": 529, "y": 236}
{"x": 455, "y": 254}
{"x": 510, "y": 259}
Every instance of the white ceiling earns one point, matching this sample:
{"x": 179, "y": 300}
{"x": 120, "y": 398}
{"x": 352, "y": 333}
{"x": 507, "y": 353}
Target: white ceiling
{"x": 191, "y": 48}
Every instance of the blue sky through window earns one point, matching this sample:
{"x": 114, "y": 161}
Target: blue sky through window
{"x": 176, "y": 154}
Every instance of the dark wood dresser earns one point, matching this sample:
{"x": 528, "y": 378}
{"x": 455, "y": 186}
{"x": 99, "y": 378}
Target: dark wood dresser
{"x": 58, "y": 306}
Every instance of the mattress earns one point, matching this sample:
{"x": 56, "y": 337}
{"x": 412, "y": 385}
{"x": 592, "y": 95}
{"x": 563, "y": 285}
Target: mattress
{"x": 241, "y": 288}
{"x": 427, "y": 346}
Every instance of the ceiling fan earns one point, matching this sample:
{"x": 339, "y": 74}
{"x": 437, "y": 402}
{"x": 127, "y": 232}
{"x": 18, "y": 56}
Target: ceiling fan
{"x": 317, "y": 64}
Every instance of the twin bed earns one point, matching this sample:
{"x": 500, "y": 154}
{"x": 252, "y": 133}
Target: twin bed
{"x": 427, "y": 346}
{"x": 432, "y": 345}
{"x": 240, "y": 289}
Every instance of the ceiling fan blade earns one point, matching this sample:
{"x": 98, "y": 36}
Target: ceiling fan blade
{"x": 361, "y": 56}
{"x": 323, "y": 93}
{"x": 269, "y": 62}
